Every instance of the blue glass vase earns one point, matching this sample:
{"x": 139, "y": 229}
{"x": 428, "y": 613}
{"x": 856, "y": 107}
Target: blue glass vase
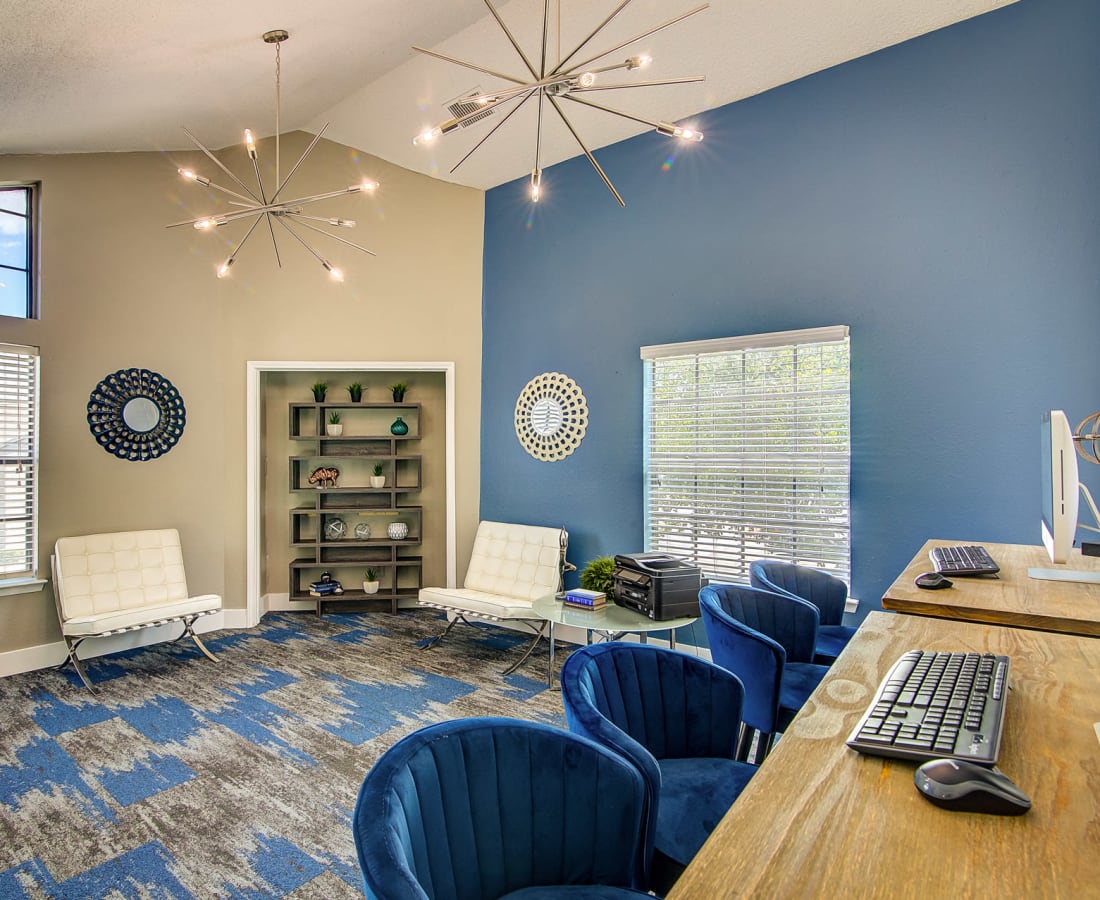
{"x": 399, "y": 427}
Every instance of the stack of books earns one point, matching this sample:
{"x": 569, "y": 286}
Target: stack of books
{"x": 582, "y": 599}
{"x": 325, "y": 588}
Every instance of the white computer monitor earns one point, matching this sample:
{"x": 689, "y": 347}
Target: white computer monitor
{"x": 1059, "y": 486}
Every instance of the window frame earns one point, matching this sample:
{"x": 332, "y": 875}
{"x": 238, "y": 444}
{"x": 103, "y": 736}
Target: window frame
{"x": 24, "y": 425}
{"x": 32, "y": 190}
{"x": 716, "y": 399}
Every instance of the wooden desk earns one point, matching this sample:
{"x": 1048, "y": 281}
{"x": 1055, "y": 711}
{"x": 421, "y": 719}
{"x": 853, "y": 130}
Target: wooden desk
{"x": 1010, "y": 599}
{"x": 820, "y": 820}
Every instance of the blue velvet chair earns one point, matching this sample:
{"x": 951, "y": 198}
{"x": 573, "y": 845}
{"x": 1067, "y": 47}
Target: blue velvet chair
{"x": 767, "y": 640}
{"x": 489, "y": 808}
{"x": 827, "y": 592}
{"x": 678, "y": 719}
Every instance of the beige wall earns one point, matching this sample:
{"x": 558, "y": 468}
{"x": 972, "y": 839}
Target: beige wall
{"x": 118, "y": 289}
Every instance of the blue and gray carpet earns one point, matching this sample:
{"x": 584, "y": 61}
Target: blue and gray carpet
{"x": 187, "y": 778}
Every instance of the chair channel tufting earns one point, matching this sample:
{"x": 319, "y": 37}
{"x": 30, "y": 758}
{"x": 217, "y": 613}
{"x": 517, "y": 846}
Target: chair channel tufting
{"x": 493, "y": 808}
{"x": 678, "y": 719}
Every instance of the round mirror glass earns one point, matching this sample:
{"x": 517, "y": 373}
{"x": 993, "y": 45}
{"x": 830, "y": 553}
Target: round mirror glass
{"x": 546, "y": 416}
{"x": 141, "y": 414}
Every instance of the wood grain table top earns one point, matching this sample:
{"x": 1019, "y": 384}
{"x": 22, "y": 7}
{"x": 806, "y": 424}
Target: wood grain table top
{"x": 1012, "y": 598}
{"x": 820, "y": 820}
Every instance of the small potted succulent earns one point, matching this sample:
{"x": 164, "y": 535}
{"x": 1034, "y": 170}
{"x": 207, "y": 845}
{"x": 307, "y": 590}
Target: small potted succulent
{"x": 355, "y": 391}
{"x": 334, "y": 428}
{"x": 377, "y": 479}
{"x": 319, "y": 391}
{"x": 370, "y": 581}
{"x": 398, "y": 390}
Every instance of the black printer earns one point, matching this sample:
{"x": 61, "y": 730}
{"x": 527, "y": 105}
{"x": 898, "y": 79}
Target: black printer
{"x": 657, "y": 585}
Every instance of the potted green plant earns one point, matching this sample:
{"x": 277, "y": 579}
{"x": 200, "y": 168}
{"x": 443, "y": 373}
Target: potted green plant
{"x": 597, "y": 575}
{"x": 370, "y": 582}
{"x": 319, "y": 391}
{"x": 334, "y": 428}
{"x": 377, "y": 479}
{"x": 398, "y": 390}
{"x": 355, "y": 391}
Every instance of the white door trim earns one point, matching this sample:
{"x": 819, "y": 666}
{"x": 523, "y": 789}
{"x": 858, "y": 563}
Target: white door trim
{"x": 254, "y": 453}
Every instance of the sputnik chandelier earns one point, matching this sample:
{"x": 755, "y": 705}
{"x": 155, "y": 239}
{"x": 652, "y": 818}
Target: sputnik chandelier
{"x": 552, "y": 83}
{"x": 260, "y": 207}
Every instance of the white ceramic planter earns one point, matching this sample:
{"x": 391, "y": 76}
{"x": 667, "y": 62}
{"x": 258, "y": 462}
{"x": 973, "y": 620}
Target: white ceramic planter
{"x": 377, "y": 481}
{"x": 370, "y": 587}
{"x": 334, "y": 430}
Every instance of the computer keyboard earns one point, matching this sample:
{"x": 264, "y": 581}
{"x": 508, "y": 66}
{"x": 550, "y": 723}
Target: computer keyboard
{"x": 935, "y": 705}
{"x": 972, "y": 560}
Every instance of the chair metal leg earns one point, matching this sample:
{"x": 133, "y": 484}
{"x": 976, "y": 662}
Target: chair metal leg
{"x": 744, "y": 742}
{"x": 77, "y": 664}
{"x": 764, "y": 743}
{"x": 189, "y": 629}
{"x": 446, "y": 631}
{"x": 530, "y": 649}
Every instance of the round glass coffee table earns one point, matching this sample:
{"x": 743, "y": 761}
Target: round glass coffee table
{"x": 613, "y": 621}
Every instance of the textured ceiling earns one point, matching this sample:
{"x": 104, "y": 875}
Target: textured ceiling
{"x": 114, "y": 75}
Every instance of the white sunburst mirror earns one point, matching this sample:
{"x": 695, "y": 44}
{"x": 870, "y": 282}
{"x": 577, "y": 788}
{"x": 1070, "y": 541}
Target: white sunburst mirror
{"x": 551, "y": 416}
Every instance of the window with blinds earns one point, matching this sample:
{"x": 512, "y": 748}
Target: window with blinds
{"x": 18, "y": 461}
{"x": 747, "y": 451}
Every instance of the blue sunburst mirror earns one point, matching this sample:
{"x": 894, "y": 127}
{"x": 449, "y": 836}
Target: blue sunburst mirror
{"x": 136, "y": 414}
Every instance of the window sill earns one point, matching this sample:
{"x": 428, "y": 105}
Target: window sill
{"x": 21, "y": 586}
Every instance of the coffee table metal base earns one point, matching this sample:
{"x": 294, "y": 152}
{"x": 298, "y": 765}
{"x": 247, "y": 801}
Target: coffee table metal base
{"x": 612, "y": 621}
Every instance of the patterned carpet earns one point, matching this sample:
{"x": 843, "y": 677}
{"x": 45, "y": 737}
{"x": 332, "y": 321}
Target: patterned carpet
{"x": 236, "y": 779}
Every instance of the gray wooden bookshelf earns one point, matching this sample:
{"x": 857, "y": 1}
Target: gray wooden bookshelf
{"x": 328, "y": 523}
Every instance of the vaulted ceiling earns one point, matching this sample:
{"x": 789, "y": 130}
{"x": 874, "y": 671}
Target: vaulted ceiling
{"x": 117, "y": 75}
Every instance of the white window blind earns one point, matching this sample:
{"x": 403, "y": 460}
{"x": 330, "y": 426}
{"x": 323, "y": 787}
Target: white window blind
{"x": 18, "y": 461}
{"x": 747, "y": 451}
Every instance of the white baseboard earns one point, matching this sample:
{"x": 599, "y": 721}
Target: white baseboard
{"x": 283, "y": 603}
{"x": 45, "y": 656}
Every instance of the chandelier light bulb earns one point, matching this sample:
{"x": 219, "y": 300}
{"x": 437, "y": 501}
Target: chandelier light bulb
{"x": 333, "y": 273}
{"x": 250, "y": 143}
{"x": 342, "y": 223}
{"x": 536, "y": 185}
{"x": 367, "y": 185}
{"x": 191, "y": 176}
{"x": 676, "y": 131}
{"x": 639, "y": 62}
{"x": 427, "y": 136}
{"x": 587, "y": 79}
{"x": 223, "y": 269}
{"x": 205, "y": 224}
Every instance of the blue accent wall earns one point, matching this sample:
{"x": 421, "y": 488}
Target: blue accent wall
{"x": 940, "y": 197}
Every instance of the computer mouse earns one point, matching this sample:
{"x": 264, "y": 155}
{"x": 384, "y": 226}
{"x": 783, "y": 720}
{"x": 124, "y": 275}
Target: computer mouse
{"x": 932, "y": 581}
{"x": 968, "y": 787}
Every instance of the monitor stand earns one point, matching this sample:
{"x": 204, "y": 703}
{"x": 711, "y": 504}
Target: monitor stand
{"x": 1064, "y": 575}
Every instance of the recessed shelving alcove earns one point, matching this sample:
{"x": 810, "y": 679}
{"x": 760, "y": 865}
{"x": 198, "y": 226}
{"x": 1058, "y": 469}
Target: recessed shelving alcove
{"x": 287, "y": 516}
